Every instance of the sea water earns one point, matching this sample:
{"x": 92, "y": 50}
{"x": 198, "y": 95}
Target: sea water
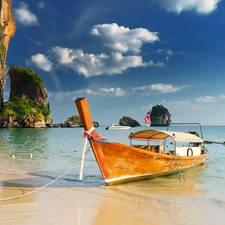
{"x": 49, "y": 153}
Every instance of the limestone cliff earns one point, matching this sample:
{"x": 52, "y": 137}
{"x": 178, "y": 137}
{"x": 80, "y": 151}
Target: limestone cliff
{"x": 160, "y": 116}
{"x": 7, "y": 30}
{"x": 27, "y": 105}
{"x": 25, "y": 82}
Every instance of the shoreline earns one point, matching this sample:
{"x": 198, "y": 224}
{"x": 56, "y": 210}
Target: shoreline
{"x": 153, "y": 202}
{"x": 59, "y": 205}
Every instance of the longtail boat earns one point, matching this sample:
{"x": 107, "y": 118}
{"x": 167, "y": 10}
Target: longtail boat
{"x": 154, "y": 153}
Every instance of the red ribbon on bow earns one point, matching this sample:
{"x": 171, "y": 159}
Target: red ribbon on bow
{"x": 94, "y": 136}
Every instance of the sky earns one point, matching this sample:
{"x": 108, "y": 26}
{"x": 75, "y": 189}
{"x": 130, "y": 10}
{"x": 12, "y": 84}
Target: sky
{"x": 125, "y": 56}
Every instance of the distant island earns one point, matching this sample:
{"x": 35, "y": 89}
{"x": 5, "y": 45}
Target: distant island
{"x": 74, "y": 121}
{"x": 160, "y": 116}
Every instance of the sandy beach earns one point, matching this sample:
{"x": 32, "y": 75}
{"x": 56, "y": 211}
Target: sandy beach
{"x": 24, "y": 201}
{"x": 21, "y": 204}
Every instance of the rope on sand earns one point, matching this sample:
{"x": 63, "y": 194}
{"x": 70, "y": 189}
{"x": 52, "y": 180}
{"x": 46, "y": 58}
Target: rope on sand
{"x": 38, "y": 189}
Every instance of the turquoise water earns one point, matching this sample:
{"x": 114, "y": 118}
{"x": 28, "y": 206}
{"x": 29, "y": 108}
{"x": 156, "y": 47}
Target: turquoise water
{"x": 200, "y": 199}
{"x": 53, "y": 152}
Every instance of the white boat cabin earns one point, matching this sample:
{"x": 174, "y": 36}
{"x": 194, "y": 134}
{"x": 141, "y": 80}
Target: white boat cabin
{"x": 168, "y": 142}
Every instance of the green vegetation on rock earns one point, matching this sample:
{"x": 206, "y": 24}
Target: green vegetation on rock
{"x": 74, "y": 118}
{"x": 23, "y": 108}
{"x": 29, "y": 95}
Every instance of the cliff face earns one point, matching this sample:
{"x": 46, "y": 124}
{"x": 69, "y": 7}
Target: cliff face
{"x": 160, "y": 116}
{"x": 7, "y": 30}
{"x": 27, "y": 105}
{"x": 22, "y": 85}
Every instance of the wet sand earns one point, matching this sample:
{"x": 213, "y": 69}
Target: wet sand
{"x": 163, "y": 201}
{"x": 21, "y": 204}
{"x": 62, "y": 206}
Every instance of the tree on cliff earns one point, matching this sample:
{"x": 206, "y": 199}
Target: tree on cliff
{"x": 27, "y": 102}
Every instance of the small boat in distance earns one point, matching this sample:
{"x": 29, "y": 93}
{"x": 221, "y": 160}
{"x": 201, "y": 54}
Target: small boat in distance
{"x": 117, "y": 127}
{"x": 156, "y": 153}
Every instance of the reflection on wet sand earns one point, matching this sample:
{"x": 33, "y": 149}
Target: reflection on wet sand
{"x": 156, "y": 201}
{"x": 171, "y": 185}
{"x": 163, "y": 200}
{"x": 149, "y": 202}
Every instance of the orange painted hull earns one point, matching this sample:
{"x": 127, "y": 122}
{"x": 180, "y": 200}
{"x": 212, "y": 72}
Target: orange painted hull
{"x": 120, "y": 163}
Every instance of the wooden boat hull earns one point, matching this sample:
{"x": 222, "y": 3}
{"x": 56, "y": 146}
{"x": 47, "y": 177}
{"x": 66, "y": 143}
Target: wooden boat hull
{"x": 120, "y": 163}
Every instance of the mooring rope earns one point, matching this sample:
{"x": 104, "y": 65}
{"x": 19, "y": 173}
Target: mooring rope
{"x": 38, "y": 189}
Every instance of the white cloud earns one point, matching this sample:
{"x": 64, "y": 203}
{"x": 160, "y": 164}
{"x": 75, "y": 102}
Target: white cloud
{"x": 206, "y": 99}
{"x": 41, "y": 62}
{"x": 200, "y": 6}
{"x": 24, "y": 16}
{"x": 159, "y": 64}
{"x": 66, "y": 55}
{"x": 169, "y": 52}
{"x": 119, "y": 39}
{"x": 91, "y": 92}
{"x": 181, "y": 102}
{"x": 164, "y": 51}
{"x": 116, "y": 92}
{"x": 119, "y": 92}
{"x": 161, "y": 88}
{"x": 94, "y": 65}
{"x": 122, "y": 39}
{"x": 110, "y": 92}
{"x": 221, "y": 97}
{"x": 165, "y": 88}
{"x": 210, "y": 99}
{"x": 139, "y": 88}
